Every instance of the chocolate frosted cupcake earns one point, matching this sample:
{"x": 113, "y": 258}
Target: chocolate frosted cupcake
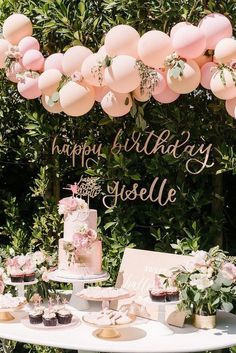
{"x": 17, "y": 276}
{"x": 158, "y": 295}
{"x": 36, "y": 316}
{"x": 49, "y": 319}
{"x": 64, "y": 317}
{"x": 29, "y": 277}
{"x": 172, "y": 294}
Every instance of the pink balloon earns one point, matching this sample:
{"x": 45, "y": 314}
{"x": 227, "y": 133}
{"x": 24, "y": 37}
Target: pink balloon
{"x": 215, "y": 27}
{"x": 93, "y": 71}
{"x": 55, "y": 109}
{"x": 188, "y": 82}
{"x": 161, "y": 86}
{"x": 100, "y": 92}
{"x": 73, "y": 59}
{"x": 102, "y": 52}
{"x": 203, "y": 59}
{"x": 167, "y": 96}
{"x": 189, "y": 42}
{"x": 54, "y": 61}
{"x": 230, "y": 106}
{"x": 4, "y": 46}
{"x": 153, "y": 48}
{"x": 122, "y": 40}
{"x": 15, "y": 68}
{"x": 76, "y": 99}
{"x": 49, "y": 81}
{"x": 225, "y": 50}
{"x": 123, "y": 75}
{"x": 16, "y": 27}
{"x": 179, "y": 25}
{"x": 28, "y": 43}
{"x": 33, "y": 60}
{"x": 220, "y": 89}
{"x": 141, "y": 96}
{"x": 28, "y": 88}
{"x": 116, "y": 104}
{"x": 207, "y": 71}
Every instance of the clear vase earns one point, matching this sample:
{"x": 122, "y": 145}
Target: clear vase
{"x": 204, "y": 321}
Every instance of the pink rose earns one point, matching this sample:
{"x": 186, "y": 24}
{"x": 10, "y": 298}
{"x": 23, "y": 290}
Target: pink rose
{"x": 229, "y": 271}
{"x": 92, "y": 235}
{"x": 80, "y": 241}
{"x": 68, "y": 204}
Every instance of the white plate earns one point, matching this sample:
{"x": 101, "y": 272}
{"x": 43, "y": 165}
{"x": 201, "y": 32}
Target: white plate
{"x": 74, "y": 322}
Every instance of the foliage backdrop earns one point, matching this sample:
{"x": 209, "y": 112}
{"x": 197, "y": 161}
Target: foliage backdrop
{"x": 32, "y": 179}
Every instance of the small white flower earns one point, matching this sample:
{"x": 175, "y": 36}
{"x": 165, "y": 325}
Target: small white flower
{"x": 200, "y": 254}
{"x": 201, "y": 281}
{"x": 82, "y": 205}
{"x": 38, "y": 257}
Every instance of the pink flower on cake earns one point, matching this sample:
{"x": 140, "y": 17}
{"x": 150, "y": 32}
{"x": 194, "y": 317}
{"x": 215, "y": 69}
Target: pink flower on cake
{"x": 229, "y": 271}
{"x": 70, "y": 204}
{"x": 80, "y": 241}
{"x": 92, "y": 235}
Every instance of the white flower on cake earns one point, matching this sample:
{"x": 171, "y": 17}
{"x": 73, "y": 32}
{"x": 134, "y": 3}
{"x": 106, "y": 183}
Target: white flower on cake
{"x": 201, "y": 281}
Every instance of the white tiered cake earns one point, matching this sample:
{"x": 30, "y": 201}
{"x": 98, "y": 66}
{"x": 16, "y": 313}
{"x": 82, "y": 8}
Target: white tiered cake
{"x": 80, "y": 252}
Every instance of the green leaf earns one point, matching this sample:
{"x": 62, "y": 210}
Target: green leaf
{"x": 227, "y": 306}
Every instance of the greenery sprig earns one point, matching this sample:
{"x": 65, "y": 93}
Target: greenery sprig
{"x": 149, "y": 78}
{"x": 176, "y": 64}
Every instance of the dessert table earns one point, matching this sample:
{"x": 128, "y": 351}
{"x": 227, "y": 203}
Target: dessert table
{"x": 142, "y": 336}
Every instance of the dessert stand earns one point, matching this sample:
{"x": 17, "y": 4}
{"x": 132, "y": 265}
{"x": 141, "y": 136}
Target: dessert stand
{"x": 78, "y": 286}
{"x": 108, "y": 331}
{"x": 106, "y": 300}
{"x": 5, "y": 314}
{"x": 20, "y": 286}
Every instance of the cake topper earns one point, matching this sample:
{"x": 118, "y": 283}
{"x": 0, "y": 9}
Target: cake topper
{"x": 87, "y": 186}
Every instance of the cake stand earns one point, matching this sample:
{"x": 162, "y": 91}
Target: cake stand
{"x": 78, "y": 286}
{"x": 106, "y": 299}
{"x": 108, "y": 331}
{"x": 5, "y": 314}
{"x": 20, "y": 286}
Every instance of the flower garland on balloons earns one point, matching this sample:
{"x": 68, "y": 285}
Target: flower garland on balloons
{"x": 127, "y": 68}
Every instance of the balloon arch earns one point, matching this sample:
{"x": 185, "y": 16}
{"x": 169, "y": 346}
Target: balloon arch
{"x": 125, "y": 68}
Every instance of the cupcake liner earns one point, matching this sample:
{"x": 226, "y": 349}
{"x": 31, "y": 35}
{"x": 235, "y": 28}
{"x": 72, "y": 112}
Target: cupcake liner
{"x": 50, "y": 322}
{"x": 64, "y": 320}
{"x": 34, "y": 320}
{"x": 29, "y": 278}
{"x": 17, "y": 279}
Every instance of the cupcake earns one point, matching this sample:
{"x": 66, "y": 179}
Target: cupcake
{"x": 17, "y": 275}
{"x": 158, "y": 295}
{"x": 29, "y": 277}
{"x": 49, "y": 319}
{"x": 172, "y": 294}
{"x": 36, "y": 316}
{"x": 64, "y": 317}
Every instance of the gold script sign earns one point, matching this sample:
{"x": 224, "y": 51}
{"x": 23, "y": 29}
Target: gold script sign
{"x": 149, "y": 143}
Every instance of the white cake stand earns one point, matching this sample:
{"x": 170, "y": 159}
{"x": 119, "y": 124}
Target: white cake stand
{"x": 20, "y": 286}
{"x": 78, "y": 286}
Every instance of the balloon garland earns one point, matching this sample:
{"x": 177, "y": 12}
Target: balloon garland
{"x": 126, "y": 68}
